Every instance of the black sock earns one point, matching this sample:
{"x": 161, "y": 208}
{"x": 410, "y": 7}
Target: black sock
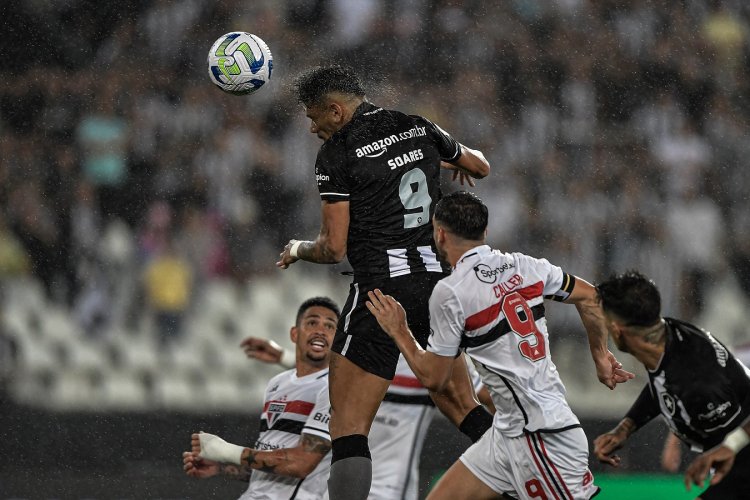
{"x": 354, "y": 445}
{"x": 351, "y": 468}
{"x": 476, "y": 423}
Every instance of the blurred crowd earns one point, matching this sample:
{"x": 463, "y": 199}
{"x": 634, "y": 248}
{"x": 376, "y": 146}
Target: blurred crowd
{"x": 616, "y": 131}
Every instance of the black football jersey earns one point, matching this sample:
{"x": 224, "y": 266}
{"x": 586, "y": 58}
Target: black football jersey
{"x": 699, "y": 387}
{"x": 386, "y": 164}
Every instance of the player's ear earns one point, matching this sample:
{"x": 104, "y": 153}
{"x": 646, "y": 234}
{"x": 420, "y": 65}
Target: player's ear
{"x": 337, "y": 111}
{"x": 293, "y": 334}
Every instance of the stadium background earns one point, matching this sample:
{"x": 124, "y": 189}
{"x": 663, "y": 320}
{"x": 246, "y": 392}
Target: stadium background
{"x": 616, "y": 131}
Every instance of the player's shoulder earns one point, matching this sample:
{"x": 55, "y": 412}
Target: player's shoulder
{"x": 284, "y": 376}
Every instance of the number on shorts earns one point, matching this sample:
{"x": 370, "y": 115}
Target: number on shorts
{"x": 535, "y": 490}
{"x": 521, "y": 321}
{"x": 415, "y": 197}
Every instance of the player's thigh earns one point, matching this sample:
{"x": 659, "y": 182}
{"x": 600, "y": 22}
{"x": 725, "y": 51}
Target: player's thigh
{"x": 458, "y": 397}
{"x": 549, "y": 465}
{"x": 459, "y": 483}
{"x": 355, "y": 397}
{"x": 735, "y": 485}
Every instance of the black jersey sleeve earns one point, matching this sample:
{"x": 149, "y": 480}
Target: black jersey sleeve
{"x": 331, "y": 173}
{"x": 448, "y": 147}
{"x": 644, "y": 409}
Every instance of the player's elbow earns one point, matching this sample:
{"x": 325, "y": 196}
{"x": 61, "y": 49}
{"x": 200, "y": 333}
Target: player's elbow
{"x": 434, "y": 383}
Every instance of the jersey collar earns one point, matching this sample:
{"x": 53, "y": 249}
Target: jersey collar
{"x": 480, "y": 250}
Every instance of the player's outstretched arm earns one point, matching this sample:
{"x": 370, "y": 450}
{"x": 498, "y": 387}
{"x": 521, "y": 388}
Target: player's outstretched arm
{"x": 671, "y": 453}
{"x": 608, "y": 369}
{"x": 298, "y": 461}
{"x": 720, "y": 458}
{"x": 471, "y": 164}
{"x": 330, "y": 245}
{"x": 609, "y": 442}
{"x": 432, "y": 370}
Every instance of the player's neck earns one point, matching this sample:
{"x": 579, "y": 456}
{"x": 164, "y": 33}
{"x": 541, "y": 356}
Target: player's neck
{"x": 308, "y": 368}
{"x": 649, "y": 350}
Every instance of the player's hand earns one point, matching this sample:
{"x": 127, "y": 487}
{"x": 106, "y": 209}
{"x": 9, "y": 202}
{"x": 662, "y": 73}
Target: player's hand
{"x": 720, "y": 458}
{"x": 285, "y": 257}
{"x": 458, "y": 173}
{"x": 196, "y": 466}
{"x": 388, "y": 311}
{"x": 264, "y": 350}
{"x": 606, "y": 444}
{"x": 671, "y": 454}
{"x": 610, "y": 371}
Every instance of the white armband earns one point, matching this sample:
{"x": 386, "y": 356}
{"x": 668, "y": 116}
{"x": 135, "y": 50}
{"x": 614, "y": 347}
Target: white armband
{"x": 295, "y": 247}
{"x": 736, "y": 440}
{"x": 288, "y": 358}
{"x": 216, "y": 449}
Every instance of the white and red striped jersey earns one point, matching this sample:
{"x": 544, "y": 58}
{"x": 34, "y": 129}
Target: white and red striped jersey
{"x": 293, "y": 406}
{"x": 492, "y": 306}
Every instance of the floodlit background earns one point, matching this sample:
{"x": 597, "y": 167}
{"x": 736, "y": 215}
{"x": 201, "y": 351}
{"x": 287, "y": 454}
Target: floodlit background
{"x": 616, "y": 130}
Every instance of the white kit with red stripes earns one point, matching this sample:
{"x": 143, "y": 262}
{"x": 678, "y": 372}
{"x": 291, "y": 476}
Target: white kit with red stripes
{"x": 492, "y": 306}
{"x": 293, "y": 406}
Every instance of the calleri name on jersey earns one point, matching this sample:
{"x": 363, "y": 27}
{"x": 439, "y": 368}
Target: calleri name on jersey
{"x": 492, "y": 306}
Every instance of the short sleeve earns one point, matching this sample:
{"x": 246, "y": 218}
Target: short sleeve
{"x": 317, "y": 421}
{"x": 446, "y": 321}
{"x": 552, "y": 277}
{"x": 448, "y": 148}
{"x": 331, "y": 173}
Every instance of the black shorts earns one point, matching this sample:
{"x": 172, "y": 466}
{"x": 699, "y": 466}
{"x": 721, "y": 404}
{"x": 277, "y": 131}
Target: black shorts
{"x": 359, "y": 337}
{"x": 735, "y": 485}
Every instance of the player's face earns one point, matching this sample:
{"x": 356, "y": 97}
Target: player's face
{"x": 314, "y": 334}
{"x": 616, "y": 333}
{"x": 324, "y": 121}
{"x": 439, "y": 238}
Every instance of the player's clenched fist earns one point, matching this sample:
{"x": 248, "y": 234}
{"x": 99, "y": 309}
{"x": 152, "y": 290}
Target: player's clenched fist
{"x": 606, "y": 444}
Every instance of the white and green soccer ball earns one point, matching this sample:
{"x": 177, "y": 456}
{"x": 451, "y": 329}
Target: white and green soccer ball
{"x": 240, "y": 63}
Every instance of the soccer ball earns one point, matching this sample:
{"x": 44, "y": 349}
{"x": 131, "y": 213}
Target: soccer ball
{"x": 239, "y": 63}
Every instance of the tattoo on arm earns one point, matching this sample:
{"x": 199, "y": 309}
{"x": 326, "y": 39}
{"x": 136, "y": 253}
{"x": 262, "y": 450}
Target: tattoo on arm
{"x": 238, "y": 472}
{"x": 315, "y": 444}
{"x": 313, "y": 252}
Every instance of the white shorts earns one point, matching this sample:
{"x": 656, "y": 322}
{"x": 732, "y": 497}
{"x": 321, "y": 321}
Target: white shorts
{"x": 396, "y": 438}
{"x": 540, "y": 465}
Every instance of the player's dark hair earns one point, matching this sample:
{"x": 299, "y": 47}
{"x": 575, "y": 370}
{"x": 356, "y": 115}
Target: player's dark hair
{"x": 314, "y": 84}
{"x": 632, "y": 297}
{"x": 463, "y": 214}
{"x": 316, "y": 301}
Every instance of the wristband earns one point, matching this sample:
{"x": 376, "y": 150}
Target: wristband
{"x": 216, "y": 449}
{"x": 288, "y": 359}
{"x": 295, "y": 247}
{"x": 736, "y": 440}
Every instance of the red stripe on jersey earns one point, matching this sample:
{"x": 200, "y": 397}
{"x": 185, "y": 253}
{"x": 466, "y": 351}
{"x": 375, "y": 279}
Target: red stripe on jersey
{"x": 487, "y": 316}
{"x": 298, "y": 407}
{"x": 404, "y": 381}
{"x": 539, "y": 467}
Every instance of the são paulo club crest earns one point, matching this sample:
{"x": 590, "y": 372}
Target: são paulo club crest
{"x": 275, "y": 410}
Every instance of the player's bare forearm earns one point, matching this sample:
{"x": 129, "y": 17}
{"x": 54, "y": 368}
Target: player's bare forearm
{"x": 294, "y": 462}
{"x": 237, "y": 472}
{"x": 320, "y": 251}
{"x": 473, "y": 163}
{"x": 330, "y": 245}
{"x": 608, "y": 369}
